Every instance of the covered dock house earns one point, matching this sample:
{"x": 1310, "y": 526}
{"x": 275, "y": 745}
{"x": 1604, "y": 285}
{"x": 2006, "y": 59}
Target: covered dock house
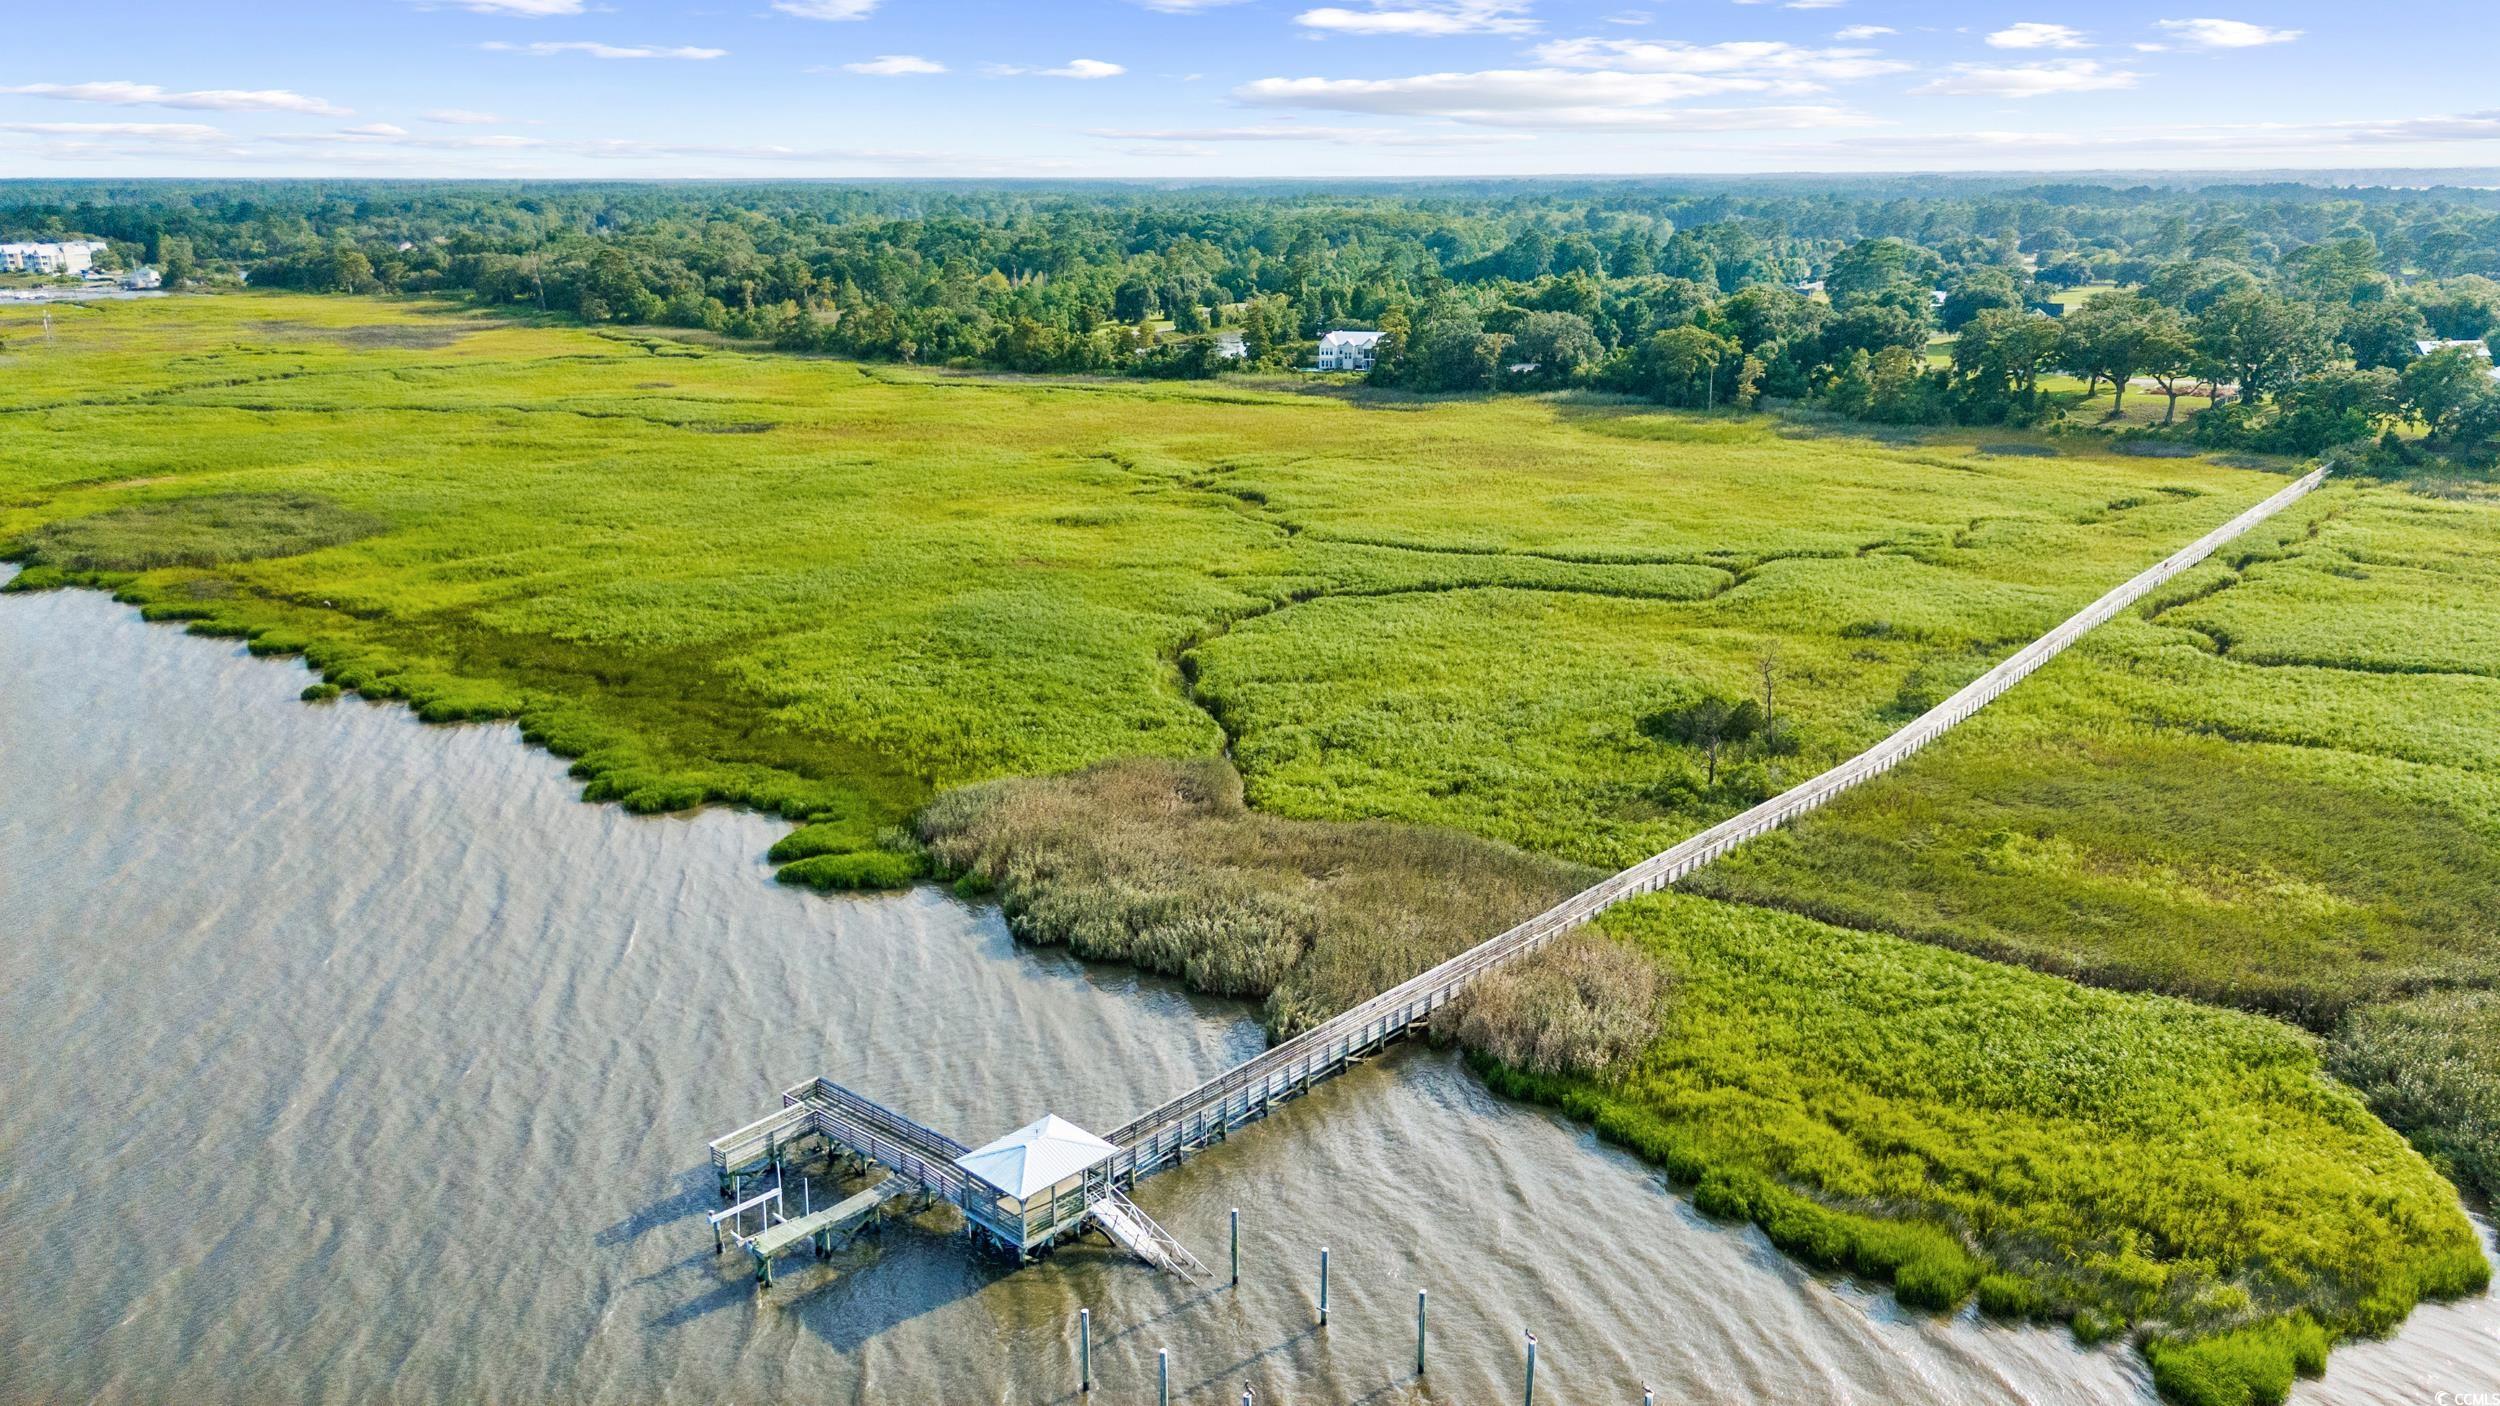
{"x": 1036, "y": 1185}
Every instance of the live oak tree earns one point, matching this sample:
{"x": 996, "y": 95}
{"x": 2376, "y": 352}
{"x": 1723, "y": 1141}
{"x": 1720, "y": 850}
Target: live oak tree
{"x": 2117, "y": 335}
{"x": 1560, "y": 344}
{"x": 1680, "y": 366}
{"x": 1999, "y": 357}
{"x": 2170, "y": 356}
{"x": 2262, "y": 341}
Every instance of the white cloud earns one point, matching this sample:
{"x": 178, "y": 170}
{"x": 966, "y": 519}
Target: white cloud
{"x": 1863, "y": 31}
{"x": 527, "y": 9}
{"x": 462, "y": 117}
{"x": 1423, "y": 18}
{"x": 1606, "y": 84}
{"x": 1774, "y": 66}
{"x": 383, "y": 134}
{"x": 894, "y": 66}
{"x": 1631, "y": 17}
{"x": 1073, "y": 68}
{"x": 606, "y": 51}
{"x": 2225, "y": 34}
{"x": 2031, "y": 80}
{"x": 1340, "y": 136}
{"x": 1547, "y": 98}
{"x": 826, "y": 9}
{"x": 2032, "y": 34}
{"x": 2200, "y": 142}
{"x": 153, "y": 131}
{"x": 1768, "y": 117}
{"x": 211, "y": 99}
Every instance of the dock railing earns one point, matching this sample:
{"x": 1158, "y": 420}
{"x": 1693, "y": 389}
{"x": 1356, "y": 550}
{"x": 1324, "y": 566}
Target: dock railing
{"x": 1160, "y": 1137}
{"x": 870, "y": 1130}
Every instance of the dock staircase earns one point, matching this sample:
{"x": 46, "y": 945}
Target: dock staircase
{"x": 1134, "y": 1231}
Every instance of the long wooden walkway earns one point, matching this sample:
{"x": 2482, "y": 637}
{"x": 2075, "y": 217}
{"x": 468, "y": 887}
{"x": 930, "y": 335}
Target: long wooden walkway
{"x": 1206, "y": 1114}
{"x": 1209, "y": 1113}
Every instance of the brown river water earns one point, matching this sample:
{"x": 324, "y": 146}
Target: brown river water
{"x": 347, "y": 1059}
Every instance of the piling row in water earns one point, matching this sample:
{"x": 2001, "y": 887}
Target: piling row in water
{"x": 1163, "y": 1355}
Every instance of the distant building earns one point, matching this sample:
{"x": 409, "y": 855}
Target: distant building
{"x": 143, "y": 278}
{"x": 1348, "y": 351}
{"x": 2463, "y": 344}
{"x": 1807, "y": 288}
{"x": 65, "y": 257}
{"x": 1937, "y": 296}
{"x": 1230, "y": 346}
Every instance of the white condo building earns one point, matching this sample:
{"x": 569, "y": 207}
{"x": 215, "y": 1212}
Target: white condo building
{"x": 72, "y": 256}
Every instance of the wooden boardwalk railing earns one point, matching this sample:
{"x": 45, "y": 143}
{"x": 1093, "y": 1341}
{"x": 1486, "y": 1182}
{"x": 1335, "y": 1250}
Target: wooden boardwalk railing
{"x": 921, "y": 1156}
{"x": 1206, "y": 1114}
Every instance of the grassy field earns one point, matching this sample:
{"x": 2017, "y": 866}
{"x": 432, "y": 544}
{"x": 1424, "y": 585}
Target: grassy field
{"x": 1419, "y": 638}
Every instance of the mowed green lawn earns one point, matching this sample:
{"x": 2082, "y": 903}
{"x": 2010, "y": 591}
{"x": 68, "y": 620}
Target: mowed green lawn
{"x": 832, "y": 589}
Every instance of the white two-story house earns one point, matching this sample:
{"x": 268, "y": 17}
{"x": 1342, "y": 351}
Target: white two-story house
{"x": 1348, "y": 351}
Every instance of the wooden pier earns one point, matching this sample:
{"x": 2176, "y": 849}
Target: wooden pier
{"x": 1010, "y": 1221}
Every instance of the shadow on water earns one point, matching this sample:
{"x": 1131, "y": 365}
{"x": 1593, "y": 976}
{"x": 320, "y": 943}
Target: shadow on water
{"x": 694, "y": 1196}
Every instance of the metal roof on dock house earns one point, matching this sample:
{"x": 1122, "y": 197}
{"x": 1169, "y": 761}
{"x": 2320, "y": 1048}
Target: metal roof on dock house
{"x": 1037, "y": 1156}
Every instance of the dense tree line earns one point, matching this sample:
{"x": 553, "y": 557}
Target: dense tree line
{"x": 2288, "y": 317}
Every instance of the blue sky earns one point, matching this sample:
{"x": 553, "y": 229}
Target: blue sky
{"x": 1217, "y": 88}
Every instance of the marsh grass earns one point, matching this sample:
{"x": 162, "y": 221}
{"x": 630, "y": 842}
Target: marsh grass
{"x": 1160, "y": 863}
{"x": 2431, "y": 1067}
{"x": 207, "y": 529}
{"x": 1582, "y": 1005}
{"x": 1446, "y": 613}
{"x": 848, "y": 872}
{"x": 2278, "y": 788}
{"x": 1953, "y": 1126}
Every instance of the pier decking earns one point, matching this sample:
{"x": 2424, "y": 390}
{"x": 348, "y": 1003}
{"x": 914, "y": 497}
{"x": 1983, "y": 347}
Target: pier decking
{"x": 817, "y": 1229}
{"x": 1022, "y": 1221}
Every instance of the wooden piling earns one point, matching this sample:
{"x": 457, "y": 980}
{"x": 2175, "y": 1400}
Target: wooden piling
{"x": 1419, "y": 1332}
{"x": 1084, "y": 1349}
{"x": 1323, "y": 1286}
{"x": 1163, "y": 1376}
{"x": 1529, "y": 1398}
{"x": 1236, "y": 1247}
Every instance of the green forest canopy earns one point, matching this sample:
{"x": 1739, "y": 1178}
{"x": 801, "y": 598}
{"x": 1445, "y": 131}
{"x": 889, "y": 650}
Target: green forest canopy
{"x": 2303, "y": 305}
